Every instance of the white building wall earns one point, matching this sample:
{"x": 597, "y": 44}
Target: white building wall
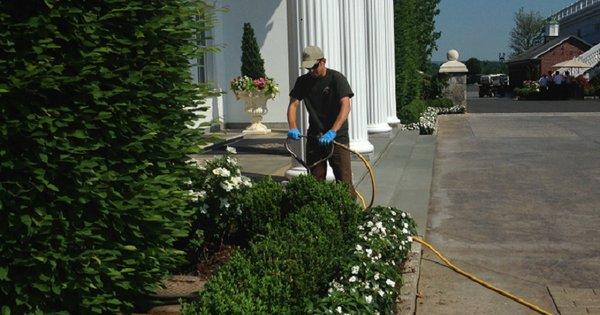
{"x": 269, "y": 20}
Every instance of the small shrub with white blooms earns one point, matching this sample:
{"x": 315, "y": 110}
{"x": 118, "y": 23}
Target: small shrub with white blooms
{"x": 217, "y": 189}
{"x": 369, "y": 280}
{"x": 428, "y": 121}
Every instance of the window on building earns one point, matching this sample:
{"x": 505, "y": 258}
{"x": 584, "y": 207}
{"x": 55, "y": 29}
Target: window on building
{"x": 198, "y": 65}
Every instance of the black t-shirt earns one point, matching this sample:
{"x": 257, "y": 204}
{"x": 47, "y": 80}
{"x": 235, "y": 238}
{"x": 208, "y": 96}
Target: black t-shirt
{"x": 324, "y": 94}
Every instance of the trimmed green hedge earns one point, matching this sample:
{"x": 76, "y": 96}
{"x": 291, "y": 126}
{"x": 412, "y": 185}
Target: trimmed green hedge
{"x": 440, "y": 102}
{"x": 93, "y": 149}
{"x": 412, "y": 112}
{"x": 293, "y": 263}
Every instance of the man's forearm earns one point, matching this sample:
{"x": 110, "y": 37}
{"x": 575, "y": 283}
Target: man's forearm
{"x": 291, "y": 113}
{"x": 343, "y": 115}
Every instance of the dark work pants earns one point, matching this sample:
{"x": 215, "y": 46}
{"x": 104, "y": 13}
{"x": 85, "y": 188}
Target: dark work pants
{"x": 339, "y": 161}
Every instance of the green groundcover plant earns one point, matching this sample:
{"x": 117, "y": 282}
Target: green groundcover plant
{"x": 93, "y": 149}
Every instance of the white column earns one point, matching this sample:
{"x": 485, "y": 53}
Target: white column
{"x": 354, "y": 59}
{"x": 392, "y": 118}
{"x": 376, "y": 76}
{"x": 312, "y": 22}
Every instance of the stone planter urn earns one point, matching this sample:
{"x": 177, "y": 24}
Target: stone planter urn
{"x": 255, "y": 104}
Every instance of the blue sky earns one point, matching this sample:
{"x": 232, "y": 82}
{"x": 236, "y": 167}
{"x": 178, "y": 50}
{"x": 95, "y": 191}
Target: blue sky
{"x": 480, "y": 28}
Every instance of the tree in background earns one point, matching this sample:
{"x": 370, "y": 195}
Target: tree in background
{"x": 493, "y": 67}
{"x": 253, "y": 65}
{"x": 415, "y": 37}
{"x": 528, "y": 31}
{"x": 474, "y": 67}
{"x": 426, "y": 35}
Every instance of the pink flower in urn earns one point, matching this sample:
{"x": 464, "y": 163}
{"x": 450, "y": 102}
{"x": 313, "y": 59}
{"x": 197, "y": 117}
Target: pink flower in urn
{"x": 260, "y": 83}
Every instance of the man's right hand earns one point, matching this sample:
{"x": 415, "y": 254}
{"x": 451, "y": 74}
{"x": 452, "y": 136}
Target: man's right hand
{"x": 294, "y": 133}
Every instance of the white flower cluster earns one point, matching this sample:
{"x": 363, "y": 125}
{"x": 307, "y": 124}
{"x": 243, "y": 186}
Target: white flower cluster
{"x": 384, "y": 242}
{"x": 428, "y": 121}
{"x": 222, "y": 172}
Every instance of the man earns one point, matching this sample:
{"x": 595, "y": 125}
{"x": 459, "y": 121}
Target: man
{"x": 326, "y": 94}
{"x": 543, "y": 82}
{"x": 558, "y": 78}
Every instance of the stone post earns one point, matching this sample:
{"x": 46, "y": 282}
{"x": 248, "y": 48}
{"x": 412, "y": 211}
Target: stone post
{"x": 457, "y": 82}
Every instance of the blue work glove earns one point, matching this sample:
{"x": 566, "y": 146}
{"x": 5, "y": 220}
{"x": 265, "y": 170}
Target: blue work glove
{"x": 294, "y": 133}
{"x": 328, "y": 137}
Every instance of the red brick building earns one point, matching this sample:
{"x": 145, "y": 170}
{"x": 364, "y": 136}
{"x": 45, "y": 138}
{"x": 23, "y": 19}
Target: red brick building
{"x": 530, "y": 64}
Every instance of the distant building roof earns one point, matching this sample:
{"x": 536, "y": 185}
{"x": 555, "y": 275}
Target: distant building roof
{"x": 537, "y": 51}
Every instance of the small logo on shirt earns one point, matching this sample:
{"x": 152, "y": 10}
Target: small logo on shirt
{"x": 326, "y": 90}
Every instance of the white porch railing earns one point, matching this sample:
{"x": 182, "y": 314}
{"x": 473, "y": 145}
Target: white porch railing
{"x": 572, "y": 9}
{"x": 591, "y": 57}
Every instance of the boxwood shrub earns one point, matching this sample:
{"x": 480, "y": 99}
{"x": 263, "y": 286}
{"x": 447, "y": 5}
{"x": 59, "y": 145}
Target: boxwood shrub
{"x": 93, "y": 149}
{"x": 411, "y": 113}
{"x": 305, "y": 190}
{"x": 440, "y": 102}
{"x": 261, "y": 208}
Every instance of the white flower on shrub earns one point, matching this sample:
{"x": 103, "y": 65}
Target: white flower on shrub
{"x": 203, "y": 208}
{"x": 339, "y": 309}
{"x": 369, "y": 299}
{"x": 224, "y": 203}
{"x": 220, "y": 171}
{"x": 227, "y": 186}
{"x": 381, "y": 293}
{"x": 369, "y": 252}
{"x": 390, "y": 283}
{"x": 197, "y": 164}
{"x": 196, "y": 195}
{"x": 352, "y": 279}
{"x": 236, "y": 181}
{"x": 410, "y": 239}
{"x": 358, "y": 247}
{"x": 232, "y": 161}
{"x": 376, "y": 276}
{"x": 231, "y": 150}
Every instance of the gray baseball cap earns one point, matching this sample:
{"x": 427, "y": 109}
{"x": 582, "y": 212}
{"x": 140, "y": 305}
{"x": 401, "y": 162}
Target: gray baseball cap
{"x": 310, "y": 56}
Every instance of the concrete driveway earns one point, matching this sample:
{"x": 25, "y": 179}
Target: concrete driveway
{"x": 516, "y": 201}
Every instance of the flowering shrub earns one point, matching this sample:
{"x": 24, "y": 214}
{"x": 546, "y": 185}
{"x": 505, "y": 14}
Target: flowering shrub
{"x": 217, "y": 190}
{"x": 531, "y": 85}
{"x": 262, "y": 85}
{"x": 428, "y": 120}
{"x": 371, "y": 277}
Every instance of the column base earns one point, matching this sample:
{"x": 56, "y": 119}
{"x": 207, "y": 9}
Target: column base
{"x": 295, "y": 171}
{"x": 378, "y": 128}
{"x": 393, "y": 120}
{"x": 300, "y": 170}
{"x": 361, "y": 146}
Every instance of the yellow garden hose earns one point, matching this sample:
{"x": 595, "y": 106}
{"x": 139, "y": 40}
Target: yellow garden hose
{"x": 444, "y": 259}
{"x": 371, "y": 175}
{"x": 481, "y": 282}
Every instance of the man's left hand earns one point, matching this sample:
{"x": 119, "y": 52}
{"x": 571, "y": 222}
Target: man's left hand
{"x": 328, "y": 137}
